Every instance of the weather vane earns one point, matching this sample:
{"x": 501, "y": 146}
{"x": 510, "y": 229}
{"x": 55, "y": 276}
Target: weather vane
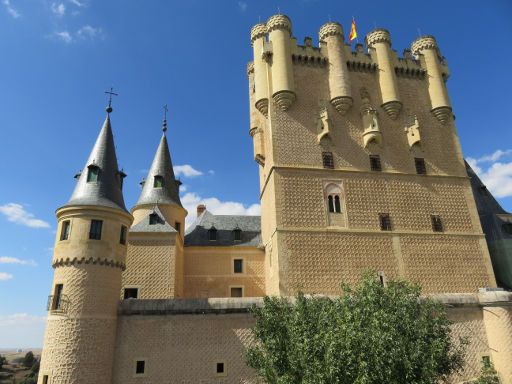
{"x": 110, "y": 93}
{"x": 164, "y": 127}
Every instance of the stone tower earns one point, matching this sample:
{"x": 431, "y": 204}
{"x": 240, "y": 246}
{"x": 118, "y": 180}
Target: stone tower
{"x": 89, "y": 256}
{"x": 155, "y": 252}
{"x": 360, "y": 164}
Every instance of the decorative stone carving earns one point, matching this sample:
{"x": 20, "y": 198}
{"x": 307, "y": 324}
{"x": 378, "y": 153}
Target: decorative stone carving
{"x": 262, "y": 106}
{"x": 324, "y": 125}
{"x": 392, "y": 108}
{"x": 371, "y": 132}
{"x": 413, "y": 133}
{"x": 443, "y": 114}
{"x": 342, "y": 104}
{"x": 284, "y": 99}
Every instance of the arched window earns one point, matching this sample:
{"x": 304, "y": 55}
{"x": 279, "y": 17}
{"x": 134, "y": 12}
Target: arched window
{"x": 333, "y": 195}
{"x": 93, "y": 172}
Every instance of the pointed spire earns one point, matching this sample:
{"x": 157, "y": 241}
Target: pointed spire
{"x": 161, "y": 186}
{"x": 100, "y": 182}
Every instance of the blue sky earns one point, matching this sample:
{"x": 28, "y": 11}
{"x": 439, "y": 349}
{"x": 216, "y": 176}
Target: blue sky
{"x": 58, "y": 57}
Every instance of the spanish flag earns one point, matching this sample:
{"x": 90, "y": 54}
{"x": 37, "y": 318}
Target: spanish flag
{"x": 353, "y": 31}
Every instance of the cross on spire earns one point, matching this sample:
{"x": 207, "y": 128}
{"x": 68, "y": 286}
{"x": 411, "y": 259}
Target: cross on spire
{"x": 110, "y": 94}
{"x": 164, "y": 125}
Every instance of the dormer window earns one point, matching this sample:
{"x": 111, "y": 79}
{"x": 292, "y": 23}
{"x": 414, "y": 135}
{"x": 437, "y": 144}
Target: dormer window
{"x": 154, "y": 219}
{"x": 237, "y": 234}
{"x": 158, "y": 182}
{"x": 212, "y": 234}
{"x": 93, "y": 172}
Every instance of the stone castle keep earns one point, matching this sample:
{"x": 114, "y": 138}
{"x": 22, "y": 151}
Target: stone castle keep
{"x": 360, "y": 168}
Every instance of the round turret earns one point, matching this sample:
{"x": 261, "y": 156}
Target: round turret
{"x": 279, "y": 22}
{"x": 379, "y": 35}
{"x": 258, "y": 31}
{"x": 424, "y": 42}
{"x": 331, "y": 29}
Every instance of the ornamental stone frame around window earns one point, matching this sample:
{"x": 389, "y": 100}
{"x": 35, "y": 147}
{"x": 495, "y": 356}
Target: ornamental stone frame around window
{"x": 334, "y": 201}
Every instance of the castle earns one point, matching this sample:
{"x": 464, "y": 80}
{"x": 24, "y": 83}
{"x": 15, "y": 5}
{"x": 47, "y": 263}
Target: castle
{"x": 360, "y": 168}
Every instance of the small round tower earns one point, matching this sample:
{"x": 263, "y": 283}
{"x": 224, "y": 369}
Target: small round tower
{"x": 339, "y": 79}
{"x": 89, "y": 256}
{"x": 258, "y": 36}
{"x": 379, "y": 40}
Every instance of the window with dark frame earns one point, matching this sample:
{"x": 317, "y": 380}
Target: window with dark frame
{"x": 64, "y": 230}
{"x": 212, "y": 234}
{"x": 122, "y": 235}
{"x": 140, "y": 366}
{"x": 385, "y": 222}
{"x": 237, "y": 234}
{"x": 238, "y": 265}
{"x": 57, "y": 297}
{"x": 237, "y": 292}
{"x": 45, "y": 379}
{"x": 220, "y": 368}
{"x": 334, "y": 204}
{"x": 437, "y": 223}
{"x": 177, "y": 226}
{"x": 92, "y": 174}
{"x": 327, "y": 160}
{"x": 419, "y": 163}
{"x": 131, "y": 293}
{"x": 154, "y": 219}
{"x": 95, "y": 230}
{"x": 375, "y": 164}
{"x": 158, "y": 182}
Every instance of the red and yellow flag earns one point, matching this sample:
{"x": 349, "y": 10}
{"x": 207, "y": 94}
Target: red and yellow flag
{"x": 353, "y": 31}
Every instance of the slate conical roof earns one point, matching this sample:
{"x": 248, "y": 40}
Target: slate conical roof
{"x": 106, "y": 190}
{"x": 168, "y": 193}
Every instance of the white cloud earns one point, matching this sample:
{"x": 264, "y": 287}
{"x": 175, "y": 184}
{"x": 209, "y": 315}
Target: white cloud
{"x": 16, "y": 213}
{"x": 20, "y": 319}
{"x": 78, "y": 3}
{"x": 59, "y": 9}
{"x": 242, "y": 5}
{"x": 15, "y": 260}
{"x": 186, "y": 170}
{"x": 5, "y": 276}
{"x": 89, "y": 32}
{"x": 191, "y": 200}
{"x": 10, "y": 9}
{"x": 211, "y": 172}
{"x": 65, "y": 36}
{"x": 496, "y": 175}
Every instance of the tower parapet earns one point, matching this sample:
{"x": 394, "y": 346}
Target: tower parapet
{"x": 339, "y": 80}
{"x": 258, "y": 36}
{"x": 279, "y": 28}
{"x": 379, "y": 40}
{"x": 426, "y": 48}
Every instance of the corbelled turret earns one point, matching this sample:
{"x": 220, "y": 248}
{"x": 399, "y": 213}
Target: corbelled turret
{"x": 100, "y": 182}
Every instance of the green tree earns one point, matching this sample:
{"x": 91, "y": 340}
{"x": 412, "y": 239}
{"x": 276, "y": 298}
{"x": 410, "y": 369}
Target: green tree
{"x": 29, "y": 359}
{"x": 369, "y": 335}
{"x": 3, "y": 361}
{"x": 488, "y": 374}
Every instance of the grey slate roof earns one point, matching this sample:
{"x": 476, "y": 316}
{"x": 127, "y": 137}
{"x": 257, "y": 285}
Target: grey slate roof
{"x": 161, "y": 226}
{"x": 107, "y": 190}
{"x": 197, "y": 233}
{"x": 161, "y": 166}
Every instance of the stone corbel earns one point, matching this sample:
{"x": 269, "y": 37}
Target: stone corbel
{"x": 413, "y": 133}
{"x": 371, "y": 131}
{"x": 324, "y": 125}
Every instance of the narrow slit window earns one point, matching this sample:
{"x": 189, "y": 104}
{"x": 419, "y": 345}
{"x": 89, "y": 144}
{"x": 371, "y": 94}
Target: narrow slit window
{"x": 238, "y": 265}
{"x": 375, "y": 164}
{"x": 158, "y": 182}
{"x": 64, "y": 231}
{"x": 437, "y": 223}
{"x": 140, "y": 367}
{"x": 92, "y": 174}
{"x": 327, "y": 159}
{"x": 385, "y": 222}
{"x": 219, "y": 368}
{"x": 337, "y": 205}
{"x": 237, "y": 234}
{"x": 95, "y": 230}
{"x": 419, "y": 163}
{"x": 331, "y": 203}
{"x": 57, "y": 297}
{"x": 122, "y": 235}
{"x": 45, "y": 379}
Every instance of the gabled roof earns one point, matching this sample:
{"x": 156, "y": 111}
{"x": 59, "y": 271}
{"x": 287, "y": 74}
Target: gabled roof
{"x": 161, "y": 166}
{"x": 106, "y": 191}
{"x": 145, "y": 226}
{"x": 250, "y": 226}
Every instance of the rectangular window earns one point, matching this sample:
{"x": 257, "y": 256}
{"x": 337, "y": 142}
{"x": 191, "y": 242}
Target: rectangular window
{"x": 328, "y": 160}
{"x": 57, "y": 297}
{"x": 131, "y": 293}
{"x": 385, "y": 222}
{"x": 177, "y": 226}
{"x": 45, "y": 379}
{"x": 220, "y": 368}
{"x": 122, "y": 236}
{"x": 237, "y": 292}
{"x": 92, "y": 174}
{"x": 64, "y": 230}
{"x": 158, "y": 182}
{"x": 375, "y": 164}
{"x": 140, "y": 366}
{"x": 212, "y": 234}
{"x": 437, "y": 224}
{"x": 238, "y": 266}
{"x": 237, "y": 234}
{"x": 95, "y": 230}
{"x": 421, "y": 169}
